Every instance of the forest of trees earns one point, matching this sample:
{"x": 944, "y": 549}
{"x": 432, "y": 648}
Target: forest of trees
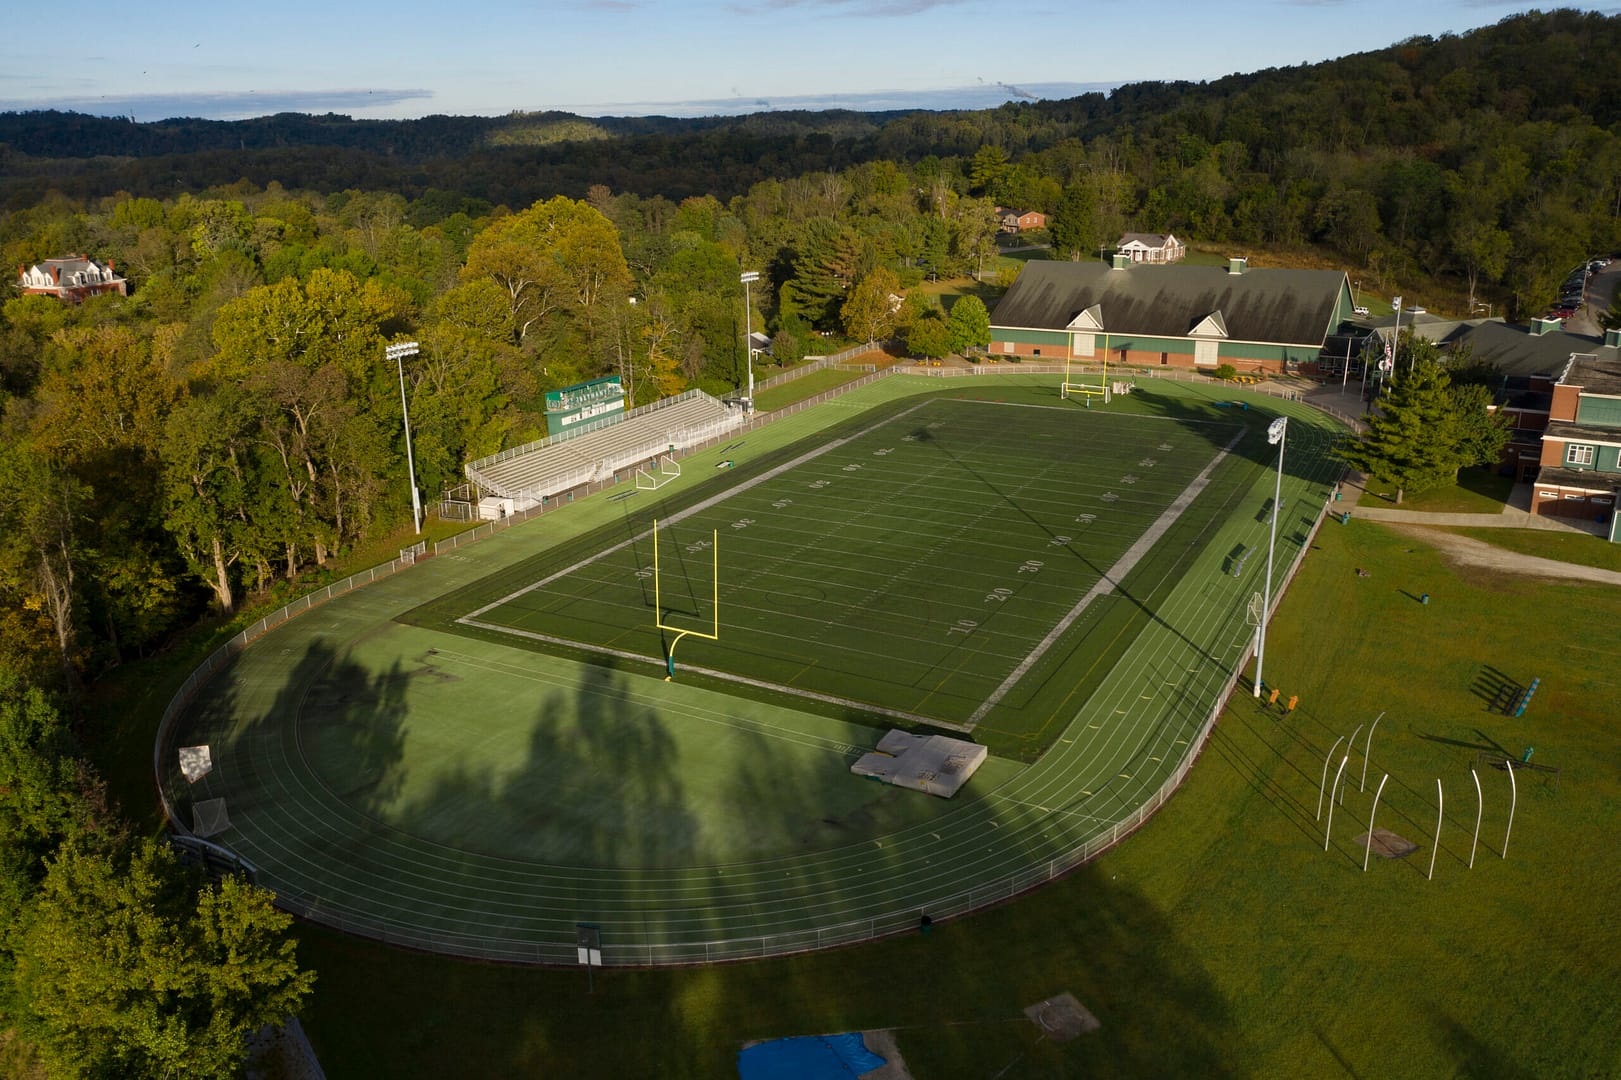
{"x": 231, "y": 426}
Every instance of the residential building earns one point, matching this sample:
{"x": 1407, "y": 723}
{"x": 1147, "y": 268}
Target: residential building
{"x": 71, "y": 279}
{"x": 1151, "y": 247}
{"x": 1013, "y": 221}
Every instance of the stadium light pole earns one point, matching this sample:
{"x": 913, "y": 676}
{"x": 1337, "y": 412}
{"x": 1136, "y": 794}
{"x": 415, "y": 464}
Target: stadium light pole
{"x": 1395, "y": 342}
{"x": 1275, "y": 433}
{"x": 397, "y": 353}
{"x": 749, "y": 277}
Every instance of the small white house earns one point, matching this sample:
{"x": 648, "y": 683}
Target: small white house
{"x": 1151, "y": 247}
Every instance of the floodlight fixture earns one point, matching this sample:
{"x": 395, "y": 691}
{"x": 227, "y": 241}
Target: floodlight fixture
{"x": 397, "y": 352}
{"x": 1275, "y": 436}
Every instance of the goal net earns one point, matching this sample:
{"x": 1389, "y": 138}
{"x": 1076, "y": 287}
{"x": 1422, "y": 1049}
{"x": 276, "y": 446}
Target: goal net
{"x": 668, "y": 469}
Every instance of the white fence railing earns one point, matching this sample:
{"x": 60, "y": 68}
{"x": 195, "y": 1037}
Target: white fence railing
{"x": 222, "y": 655}
{"x": 884, "y": 924}
{"x": 821, "y": 363}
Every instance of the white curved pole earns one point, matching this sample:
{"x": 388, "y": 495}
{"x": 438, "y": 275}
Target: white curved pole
{"x": 1514, "y": 797}
{"x": 1372, "y": 812}
{"x": 1440, "y": 805}
{"x": 1351, "y": 746}
{"x": 1322, "y": 785}
{"x": 1367, "y": 751}
{"x": 1480, "y": 809}
{"x": 1329, "y": 828}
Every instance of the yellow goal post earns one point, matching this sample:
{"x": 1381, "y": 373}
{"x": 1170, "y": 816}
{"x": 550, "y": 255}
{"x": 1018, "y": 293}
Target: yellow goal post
{"x": 1084, "y": 390}
{"x": 658, "y": 603}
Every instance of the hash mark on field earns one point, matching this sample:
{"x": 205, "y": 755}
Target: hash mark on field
{"x": 1105, "y": 585}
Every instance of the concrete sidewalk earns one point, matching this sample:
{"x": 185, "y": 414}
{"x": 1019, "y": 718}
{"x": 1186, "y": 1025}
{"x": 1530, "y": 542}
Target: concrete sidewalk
{"x": 1512, "y": 516}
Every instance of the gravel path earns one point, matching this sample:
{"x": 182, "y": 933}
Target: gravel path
{"x": 1467, "y": 551}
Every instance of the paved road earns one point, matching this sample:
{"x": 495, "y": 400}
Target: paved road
{"x": 1601, "y": 290}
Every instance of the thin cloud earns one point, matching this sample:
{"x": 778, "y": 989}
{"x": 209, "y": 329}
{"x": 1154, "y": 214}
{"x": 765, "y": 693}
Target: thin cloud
{"x": 226, "y": 105}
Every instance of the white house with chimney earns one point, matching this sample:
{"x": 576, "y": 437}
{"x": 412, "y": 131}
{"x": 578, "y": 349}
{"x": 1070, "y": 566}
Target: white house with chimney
{"x": 71, "y": 278}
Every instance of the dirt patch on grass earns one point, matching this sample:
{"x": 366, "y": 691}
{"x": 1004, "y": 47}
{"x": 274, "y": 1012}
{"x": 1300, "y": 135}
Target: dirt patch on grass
{"x": 1387, "y": 845}
{"x": 1467, "y": 552}
{"x": 1062, "y": 1018}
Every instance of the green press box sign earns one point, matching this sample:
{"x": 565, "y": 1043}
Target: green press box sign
{"x": 587, "y": 401}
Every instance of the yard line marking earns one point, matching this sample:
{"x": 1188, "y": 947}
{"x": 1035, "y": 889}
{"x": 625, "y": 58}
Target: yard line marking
{"x": 1106, "y": 584}
{"x": 682, "y": 515}
{"x": 742, "y": 680}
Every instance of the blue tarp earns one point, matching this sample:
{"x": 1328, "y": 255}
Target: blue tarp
{"x": 814, "y": 1057}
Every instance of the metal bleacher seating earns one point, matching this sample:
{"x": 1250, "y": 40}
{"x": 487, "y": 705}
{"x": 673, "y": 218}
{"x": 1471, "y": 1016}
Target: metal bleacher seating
{"x": 562, "y": 463}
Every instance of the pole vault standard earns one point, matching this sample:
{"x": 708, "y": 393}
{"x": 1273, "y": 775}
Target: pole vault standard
{"x": 658, "y": 604}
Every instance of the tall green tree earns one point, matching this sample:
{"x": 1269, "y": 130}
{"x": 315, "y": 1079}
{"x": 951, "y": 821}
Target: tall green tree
{"x": 1073, "y": 226}
{"x": 968, "y": 325}
{"x": 1423, "y": 431}
{"x": 928, "y": 335}
{"x": 869, "y": 314}
{"x": 129, "y": 970}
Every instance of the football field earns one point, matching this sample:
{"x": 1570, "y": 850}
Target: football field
{"x": 481, "y": 752}
{"x": 932, "y": 567}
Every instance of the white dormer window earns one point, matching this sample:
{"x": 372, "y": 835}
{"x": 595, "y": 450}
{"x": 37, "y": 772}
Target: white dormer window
{"x": 1578, "y": 455}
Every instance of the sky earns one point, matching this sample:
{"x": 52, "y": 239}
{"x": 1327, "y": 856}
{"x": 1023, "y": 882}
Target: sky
{"x": 411, "y": 58}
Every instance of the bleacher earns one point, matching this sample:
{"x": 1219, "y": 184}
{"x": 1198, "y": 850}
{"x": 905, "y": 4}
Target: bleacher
{"x": 562, "y": 463}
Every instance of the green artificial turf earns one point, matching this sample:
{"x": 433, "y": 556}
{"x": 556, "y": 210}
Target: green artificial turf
{"x": 1221, "y": 939}
{"x": 909, "y": 568}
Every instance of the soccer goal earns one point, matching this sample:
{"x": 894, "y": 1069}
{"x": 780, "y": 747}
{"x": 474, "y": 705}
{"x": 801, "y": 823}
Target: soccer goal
{"x": 668, "y": 469}
{"x": 1085, "y": 391}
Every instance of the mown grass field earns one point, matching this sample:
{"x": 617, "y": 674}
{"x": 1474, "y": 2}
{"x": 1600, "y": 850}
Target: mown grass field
{"x": 1221, "y": 939}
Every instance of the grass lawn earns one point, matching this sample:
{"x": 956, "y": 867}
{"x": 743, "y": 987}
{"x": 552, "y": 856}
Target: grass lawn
{"x": 1220, "y": 940}
{"x": 1478, "y": 491}
{"x": 805, "y": 386}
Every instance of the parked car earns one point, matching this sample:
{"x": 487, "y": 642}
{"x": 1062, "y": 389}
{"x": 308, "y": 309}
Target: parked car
{"x": 1360, "y": 312}
{"x": 1559, "y": 312}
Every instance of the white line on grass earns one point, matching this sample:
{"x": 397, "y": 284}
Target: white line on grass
{"x": 1106, "y": 584}
{"x": 742, "y": 680}
{"x": 682, "y": 515}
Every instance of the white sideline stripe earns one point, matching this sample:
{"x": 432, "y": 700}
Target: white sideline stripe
{"x": 796, "y": 738}
{"x": 1106, "y": 584}
{"x": 1117, "y": 416}
{"x": 679, "y": 516}
{"x": 830, "y": 699}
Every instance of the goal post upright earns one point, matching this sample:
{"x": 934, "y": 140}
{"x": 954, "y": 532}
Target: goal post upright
{"x": 658, "y": 603}
{"x": 1084, "y": 389}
